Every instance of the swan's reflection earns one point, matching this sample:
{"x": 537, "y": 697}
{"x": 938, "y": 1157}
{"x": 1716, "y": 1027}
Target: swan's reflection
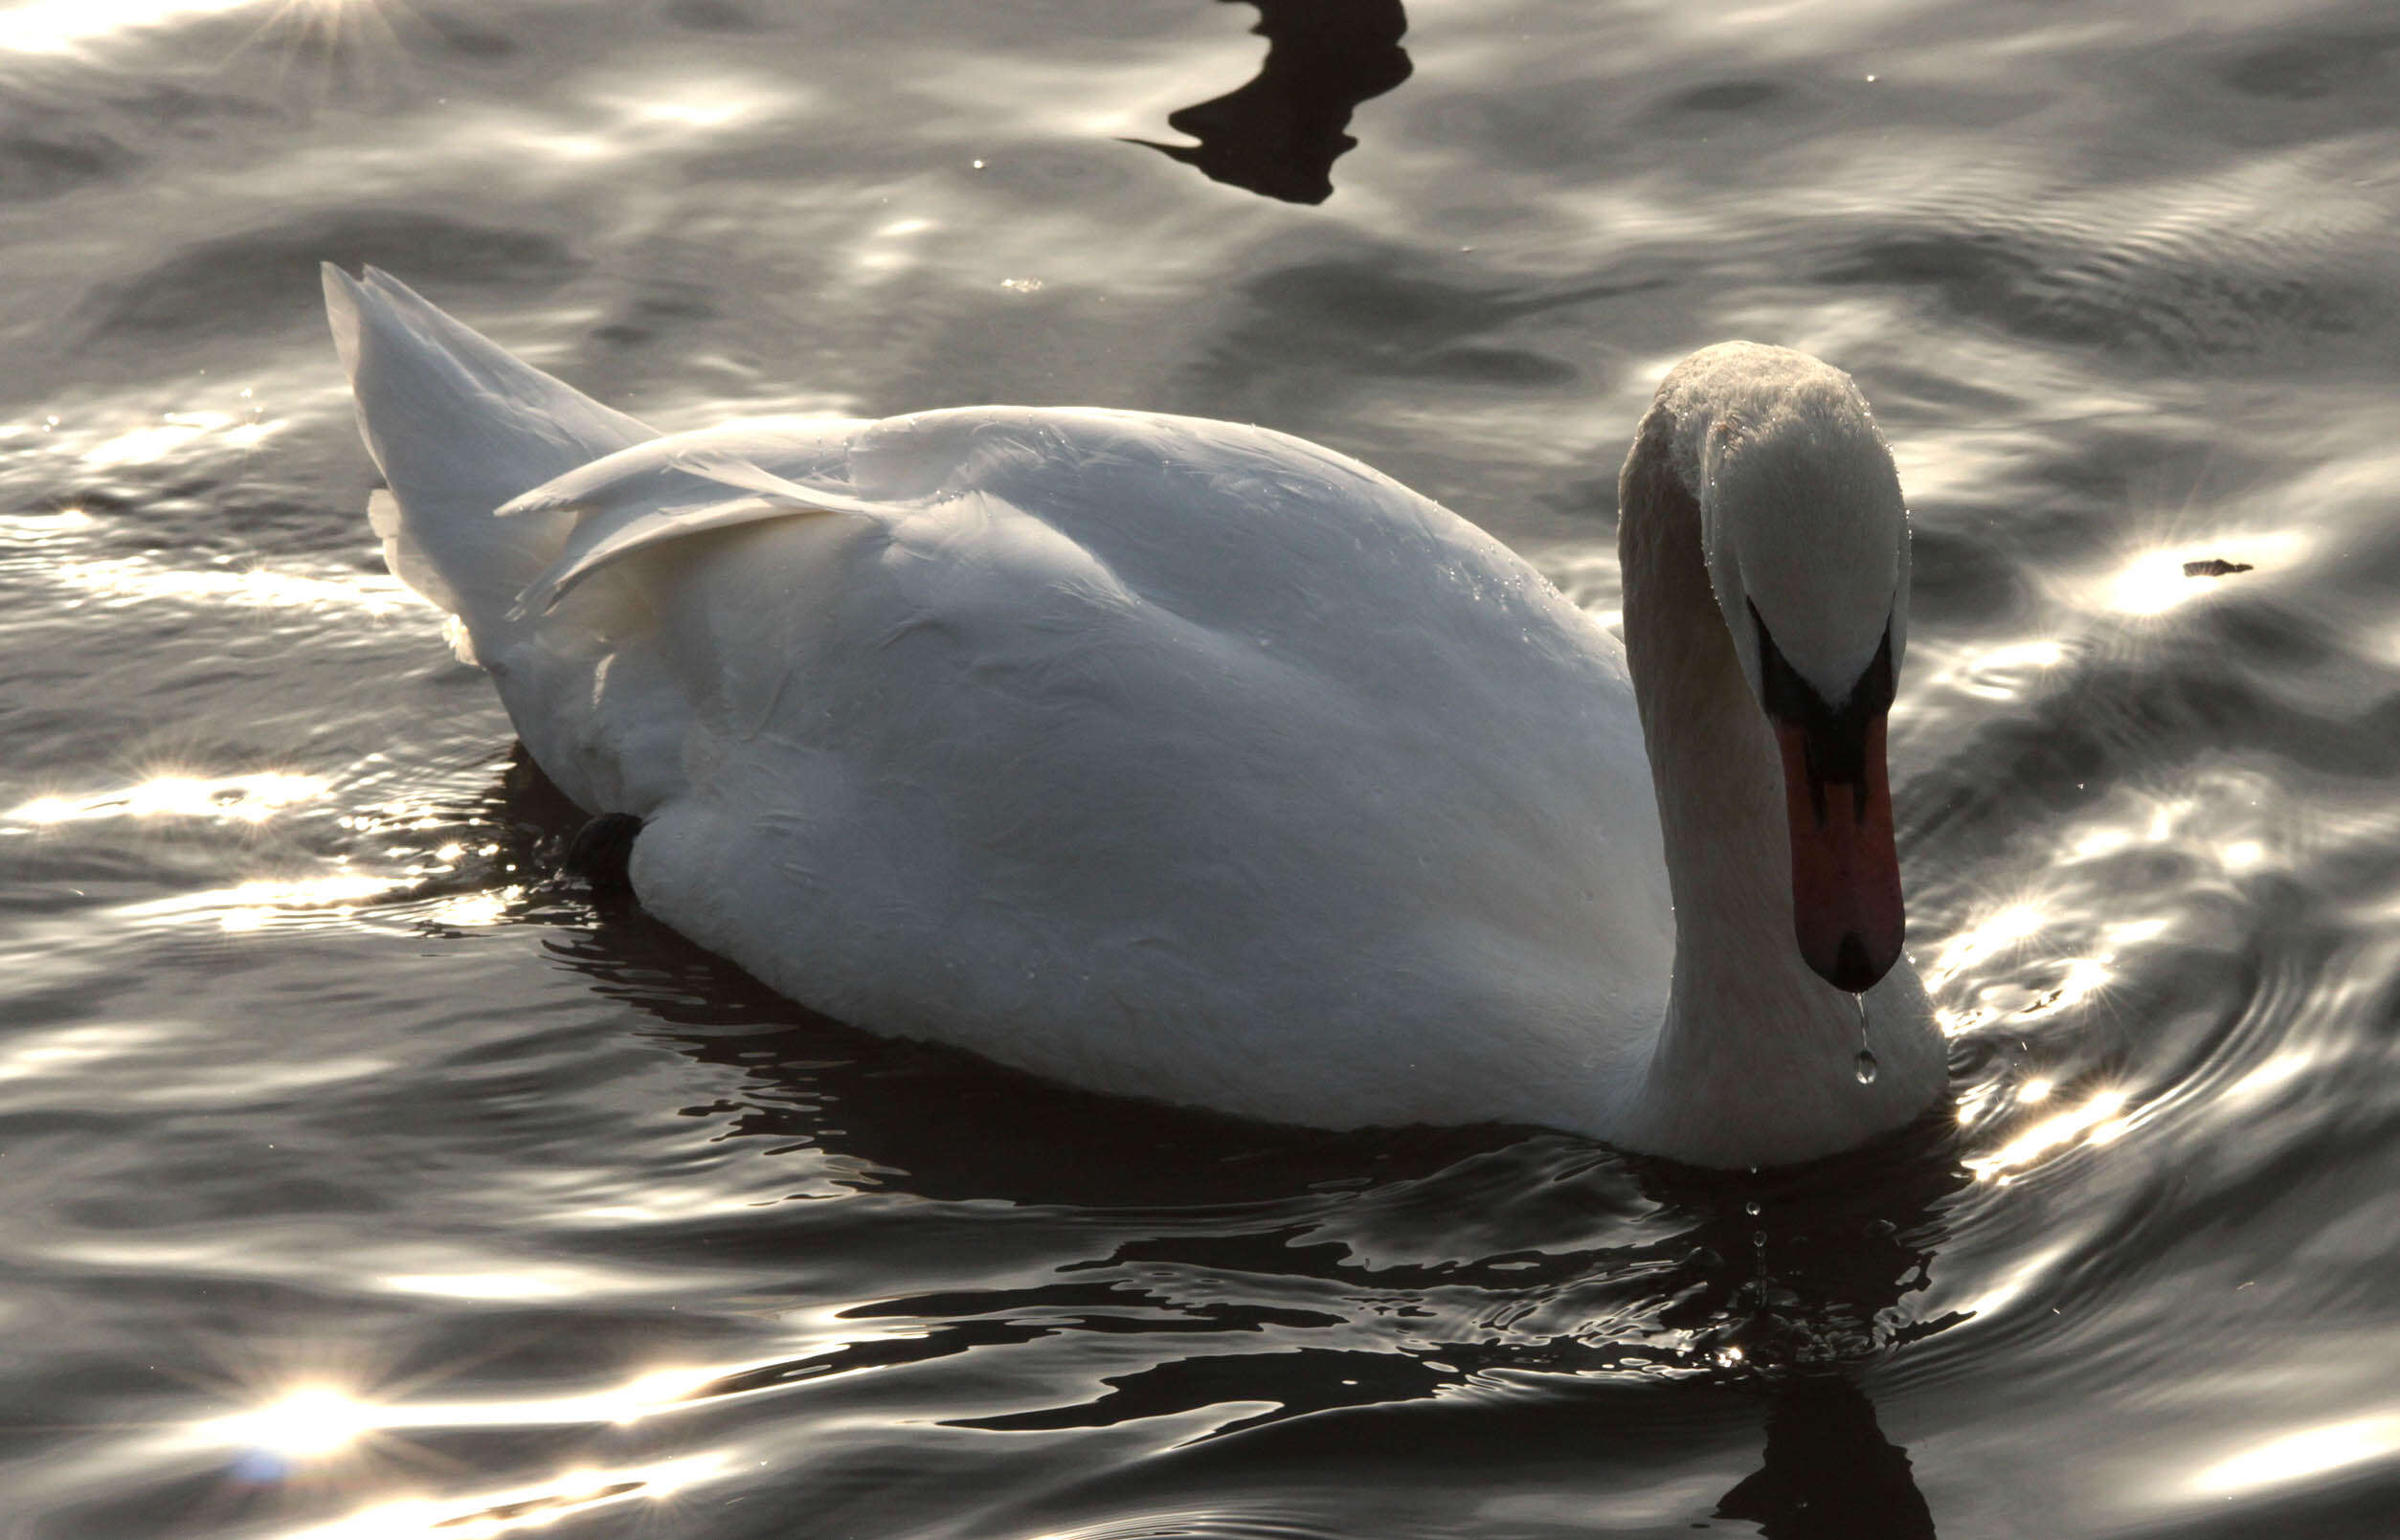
{"x": 1342, "y": 1280}
{"x": 1830, "y": 1474}
{"x": 1281, "y": 133}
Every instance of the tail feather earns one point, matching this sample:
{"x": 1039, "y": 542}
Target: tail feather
{"x": 459, "y": 427}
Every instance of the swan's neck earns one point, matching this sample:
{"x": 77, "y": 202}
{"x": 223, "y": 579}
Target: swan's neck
{"x": 1757, "y": 1059}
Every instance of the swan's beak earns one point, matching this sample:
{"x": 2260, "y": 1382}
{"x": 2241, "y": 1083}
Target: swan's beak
{"x": 1837, "y": 796}
{"x": 1846, "y": 870}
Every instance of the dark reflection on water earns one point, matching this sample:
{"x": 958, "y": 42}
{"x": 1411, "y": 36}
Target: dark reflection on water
{"x": 1830, "y": 1471}
{"x": 1281, "y": 133}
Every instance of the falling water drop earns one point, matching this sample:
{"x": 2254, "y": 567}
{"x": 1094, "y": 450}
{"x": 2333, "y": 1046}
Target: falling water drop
{"x": 1750, "y": 1208}
{"x": 1864, "y": 1063}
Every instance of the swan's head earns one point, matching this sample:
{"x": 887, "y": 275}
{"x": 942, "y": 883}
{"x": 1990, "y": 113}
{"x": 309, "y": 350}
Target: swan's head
{"x": 1806, "y": 535}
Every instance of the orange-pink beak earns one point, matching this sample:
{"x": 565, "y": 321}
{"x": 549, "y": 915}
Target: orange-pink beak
{"x": 1846, "y": 870}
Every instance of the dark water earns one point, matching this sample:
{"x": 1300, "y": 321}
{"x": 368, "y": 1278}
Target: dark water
{"x": 358, "y": 1177}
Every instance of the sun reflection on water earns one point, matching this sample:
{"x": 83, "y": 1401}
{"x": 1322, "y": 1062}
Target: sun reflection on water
{"x": 2164, "y": 578}
{"x": 2004, "y": 672}
{"x": 69, "y": 1053}
{"x": 252, "y": 798}
{"x": 440, "y": 885}
{"x": 617, "y": 128}
{"x": 2002, "y": 930}
{"x": 175, "y": 431}
{"x": 470, "y": 911}
{"x": 2015, "y": 1281}
{"x": 570, "y": 1494}
{"x": 325, "y": 1417}
{"x": 2046, "y": 943}
{"x": 2097, "y": 1120}
{"x": 2060, "y": 939}
{"x": 316, "y": 1430}
{"x": 133, "y": 579}
{"x": 34, "y": 529}
{"x": 2095, "y": 1117}
{"x": 2296, "y": 1456}
{"x": 311, "y": 1424}
{"x": 59, "y": 26}
{"x": 254, "y": 905}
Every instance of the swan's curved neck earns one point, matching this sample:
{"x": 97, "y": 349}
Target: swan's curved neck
{"x": 1757, "y": 1057}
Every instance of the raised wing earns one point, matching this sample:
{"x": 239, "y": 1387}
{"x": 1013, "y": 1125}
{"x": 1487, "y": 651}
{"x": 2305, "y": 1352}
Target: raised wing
{"x": 687, "y": 484}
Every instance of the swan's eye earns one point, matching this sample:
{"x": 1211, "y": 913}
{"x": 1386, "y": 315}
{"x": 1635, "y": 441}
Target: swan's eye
{"x": 1835, "y": 736}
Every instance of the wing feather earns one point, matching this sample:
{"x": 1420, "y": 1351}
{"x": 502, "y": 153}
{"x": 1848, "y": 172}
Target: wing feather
{"x": 641, "y": 532}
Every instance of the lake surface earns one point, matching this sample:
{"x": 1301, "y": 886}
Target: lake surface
{"x": 360, "y": 1177}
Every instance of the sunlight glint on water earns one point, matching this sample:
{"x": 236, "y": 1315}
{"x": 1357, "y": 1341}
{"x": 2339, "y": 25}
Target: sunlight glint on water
{"x": 242, "y": 799}
{"x": 59, "y": 26}
{"x": 2294, "y": 1457}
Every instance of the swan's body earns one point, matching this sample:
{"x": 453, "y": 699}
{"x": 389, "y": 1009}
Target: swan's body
{"x": 1163, "y": 756}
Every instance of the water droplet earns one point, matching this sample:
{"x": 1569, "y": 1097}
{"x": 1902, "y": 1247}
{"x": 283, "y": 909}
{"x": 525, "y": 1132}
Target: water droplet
{"x": 1864, "y": 1063}
{"x": 1866, "y": 1067}
{"x": 1750, "y": 1208}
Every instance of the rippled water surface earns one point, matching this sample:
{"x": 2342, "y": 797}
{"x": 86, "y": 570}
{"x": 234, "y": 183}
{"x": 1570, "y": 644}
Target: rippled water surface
{"x": 359, "y": 1177}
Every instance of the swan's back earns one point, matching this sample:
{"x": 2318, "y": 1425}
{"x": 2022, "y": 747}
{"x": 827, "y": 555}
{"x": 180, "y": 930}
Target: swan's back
{"x": 1166, "y": 756}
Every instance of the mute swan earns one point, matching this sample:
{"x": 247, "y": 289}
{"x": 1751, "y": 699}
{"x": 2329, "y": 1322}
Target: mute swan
{"x": 1191, "y": 760}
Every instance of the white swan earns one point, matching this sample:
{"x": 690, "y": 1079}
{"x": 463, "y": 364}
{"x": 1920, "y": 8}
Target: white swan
{"x": 1193, "y": 761}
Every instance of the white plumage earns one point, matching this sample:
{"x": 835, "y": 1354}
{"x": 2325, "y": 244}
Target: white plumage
{"x": 1164, "y": 756}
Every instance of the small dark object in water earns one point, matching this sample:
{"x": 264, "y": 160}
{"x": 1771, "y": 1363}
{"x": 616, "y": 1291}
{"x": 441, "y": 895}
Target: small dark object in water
{"x": 599, "y": 852}
{"x": 1280, "y": 134}
{"x": 2214, "y": 567}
